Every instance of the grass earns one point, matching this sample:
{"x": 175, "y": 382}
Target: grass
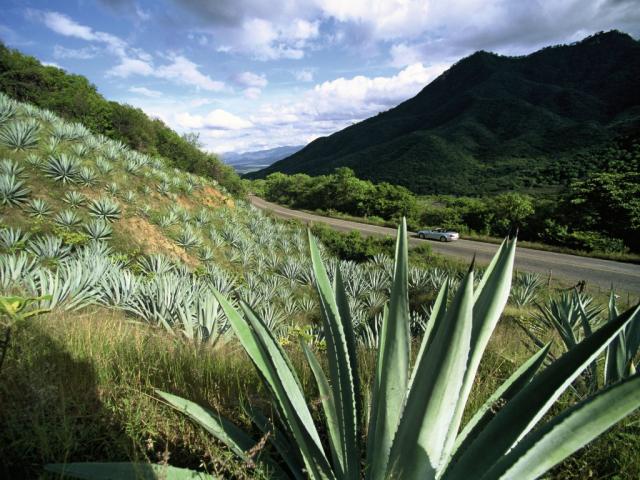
{"x": 79, "y": 387}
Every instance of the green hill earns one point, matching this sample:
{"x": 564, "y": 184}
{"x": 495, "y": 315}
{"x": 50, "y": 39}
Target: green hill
{"x": 74, "y": 98}
{"x": 492, "y": 123}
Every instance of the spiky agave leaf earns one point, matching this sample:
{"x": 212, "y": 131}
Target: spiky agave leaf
{"x": 105, "y": 209}
{"x": 74, "y": 198}
{"x": 48, "y": 247}
{"x": 9, "y": 167}
{"x": 20, "y": 135}
{"x": 12, "y": 191}
{"x": 67, "y": 219}
{"x": 38, "y": 208}
{"x": 98, "y": 230}
{"x": 62, "y": 168}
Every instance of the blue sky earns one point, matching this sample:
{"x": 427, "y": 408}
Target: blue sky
{"x": 251, "y": 74}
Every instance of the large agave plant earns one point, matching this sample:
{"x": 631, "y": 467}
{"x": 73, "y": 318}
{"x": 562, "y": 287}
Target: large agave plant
{"x": 62, "y": 168}
{"x": 8, "y": 108}
{"x": 413, "y": 423}
{"x": 20, "y": 135}
{"x": 12, "y": 190}
{"x": 105, "y": 209}
{"x": 38, "y": 208}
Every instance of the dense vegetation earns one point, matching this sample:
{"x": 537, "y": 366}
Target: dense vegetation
{"x": 72, "y": 97}
{"x": 599, "y": 213}
{"x": 493, "y": 123}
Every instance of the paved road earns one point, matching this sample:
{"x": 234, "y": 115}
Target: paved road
{"x": 624, "y": 277}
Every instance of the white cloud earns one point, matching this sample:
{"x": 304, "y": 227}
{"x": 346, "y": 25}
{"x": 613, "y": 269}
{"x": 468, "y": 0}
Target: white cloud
{"x": 250, "y": 79}
{"x": 147, "y": 92}
{"x": 68, "y": 27}
{"x": 252, "y": 93}
{"x": 131, "y": 66}
{"x": 180, "y": 70}
{"x": 304, "y": 75}
{"x": 183, "y": 71}
{"x": 215, "y": 120}
{"x": 76, "y": 53}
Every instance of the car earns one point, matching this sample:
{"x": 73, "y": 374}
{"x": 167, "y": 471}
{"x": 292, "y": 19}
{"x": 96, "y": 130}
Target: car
{"x": 441, "y": 234}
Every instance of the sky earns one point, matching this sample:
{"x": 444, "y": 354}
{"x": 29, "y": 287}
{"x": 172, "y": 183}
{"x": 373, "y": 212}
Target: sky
{"x": 254, "y": 74}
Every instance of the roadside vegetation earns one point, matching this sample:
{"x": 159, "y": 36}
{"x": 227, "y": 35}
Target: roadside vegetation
{"x": 599, "y": 215}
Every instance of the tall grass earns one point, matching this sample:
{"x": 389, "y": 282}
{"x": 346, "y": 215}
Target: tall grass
{"x": 78, "y": 387}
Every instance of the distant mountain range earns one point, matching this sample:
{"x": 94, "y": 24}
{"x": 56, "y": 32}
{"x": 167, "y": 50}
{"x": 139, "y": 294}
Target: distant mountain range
{"x": 249, "y": 161}
{"x": 492, "y": 123}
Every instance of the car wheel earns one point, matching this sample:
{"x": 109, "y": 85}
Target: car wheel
{"x": 443, "y": 238}
{"x": 421, "y": 235}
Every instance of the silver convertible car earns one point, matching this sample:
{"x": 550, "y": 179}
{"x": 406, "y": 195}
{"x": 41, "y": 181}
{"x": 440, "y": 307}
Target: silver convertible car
{"x": 439, "y": 234}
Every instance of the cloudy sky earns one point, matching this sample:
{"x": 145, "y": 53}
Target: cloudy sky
{"x": 254, "y": 74}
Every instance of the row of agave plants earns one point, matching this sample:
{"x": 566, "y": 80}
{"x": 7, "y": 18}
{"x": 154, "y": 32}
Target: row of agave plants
{"x": 269, "y": 272}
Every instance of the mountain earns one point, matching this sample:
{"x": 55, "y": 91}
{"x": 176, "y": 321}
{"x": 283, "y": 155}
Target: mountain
{"x": 493, "y": 123}
{"x": 249, "y": 161}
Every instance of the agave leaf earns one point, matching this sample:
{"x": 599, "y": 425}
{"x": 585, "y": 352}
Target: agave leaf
{"x": 221, "y": 428}
{"x": 279, "y": 439}
{"x": 342, "y": 366}
{"x": 521, "y": 414}
{"x": 521, "y": 377}
{"x": 490, "y": 298}
{"x": 328, "y": 405}
{"x": 270, "y": 361}
{"x": 567, "y": 432}
{"x": 392, "y": 366}
{"x": 420, "y": 440}
{"x": 125, "y": 471}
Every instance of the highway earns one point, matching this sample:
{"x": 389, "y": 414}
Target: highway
{"x": 624, "y": 277}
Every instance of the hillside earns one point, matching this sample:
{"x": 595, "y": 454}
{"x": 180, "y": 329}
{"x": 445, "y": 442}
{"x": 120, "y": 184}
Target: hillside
{"x": 74, "y": 98}
{"x": 245, "y": 162}
{"x": 492, "y": 123}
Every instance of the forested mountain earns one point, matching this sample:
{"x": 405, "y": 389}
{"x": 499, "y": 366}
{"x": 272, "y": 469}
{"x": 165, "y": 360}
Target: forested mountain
{"x": 493, "y": 123}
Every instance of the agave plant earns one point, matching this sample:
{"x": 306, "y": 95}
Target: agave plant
{"x": 67, "y": 219}
{"x": 62, "y": 168}
{"x": 525, "y": 290}
{"x": 187, "y": 238}
{"x": 129, "y": 197}
{"x": 14, "y": 268}
{"x": 38, "y": 208}
{"x": 74, "y": 198}
{"x": 33, "y": 160}
{"x": 112, "y": 189}
{"x": 48, "y": 247}
{"x": 87, "y": 177}
{"x": 20, "y": 135}
{"x": 80, "y": 149}
{"x": 621, "y": 353}
{"x": 13, "y": 238}
{"x": 9, "y": 167}
{"x": 155, "y": 264}
{"x": 12, "y": 191}
{"x": 103, "y": 166}
{"x": 8, "y": 108}
{"x": 163, "y": 188}
{"x": 98, "y": 230}
{"x": 104, "y": 208}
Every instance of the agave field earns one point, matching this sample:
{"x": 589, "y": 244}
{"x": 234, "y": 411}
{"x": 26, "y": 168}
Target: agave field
{"x": 87, "y": 223}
